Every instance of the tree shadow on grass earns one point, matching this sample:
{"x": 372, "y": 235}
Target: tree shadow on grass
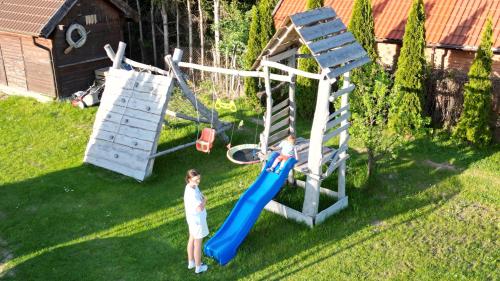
{"x": 142, "y": 229}
{"x": 61, "y": 226}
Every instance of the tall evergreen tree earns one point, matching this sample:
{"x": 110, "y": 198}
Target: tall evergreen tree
{"x": 370, "y": 99}
{"x": 253, "y": 50}
{"x": 261, "y": 31}
{"x": 362, "y": 26}
{"x": 307, "y": 88}
{"x": 473, "y": 124}
{"x": 266, "y": 21}
{"x": 405, "y": 116}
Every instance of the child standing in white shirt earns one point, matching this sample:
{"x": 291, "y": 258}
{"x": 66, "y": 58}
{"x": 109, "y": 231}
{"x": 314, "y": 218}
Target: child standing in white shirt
{"x": 287, "y": 149}
{"x": 196, "y": 216}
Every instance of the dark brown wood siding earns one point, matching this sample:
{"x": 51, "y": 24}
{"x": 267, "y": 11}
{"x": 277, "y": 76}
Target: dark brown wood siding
{"x": 38, "y": 63}
{"x": 25, "y": 64}
{"x": 3, "y": 77}
{"x": 75, "y": 70}
{"x": 13, "y": 61}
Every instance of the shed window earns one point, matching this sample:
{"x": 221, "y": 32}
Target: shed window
{"x": 90, "y": 19}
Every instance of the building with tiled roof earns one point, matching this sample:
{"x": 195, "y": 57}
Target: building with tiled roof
{"x": 52, "y": 47}
{"x": 453, "y": 34}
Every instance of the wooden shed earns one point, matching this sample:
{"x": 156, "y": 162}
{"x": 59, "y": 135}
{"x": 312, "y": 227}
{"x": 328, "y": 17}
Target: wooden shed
{"x": 36, "y": 57}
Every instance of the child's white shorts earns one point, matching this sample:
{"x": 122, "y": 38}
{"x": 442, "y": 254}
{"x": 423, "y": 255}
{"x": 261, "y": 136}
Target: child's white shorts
{"x": 198, "y": 228}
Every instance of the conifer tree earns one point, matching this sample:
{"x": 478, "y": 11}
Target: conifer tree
{"x": 266, "y": 21}
{"x": 253, "y": 50}
{"x": 363, "y": 28}
{"x": 405, "y": 115}
{"x": 308, "y": 88}
{"x": 473, "y": 124}
{"x": 370, "y": 99}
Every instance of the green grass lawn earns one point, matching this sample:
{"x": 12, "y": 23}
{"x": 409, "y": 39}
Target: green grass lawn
{"x": 63, "y": 220}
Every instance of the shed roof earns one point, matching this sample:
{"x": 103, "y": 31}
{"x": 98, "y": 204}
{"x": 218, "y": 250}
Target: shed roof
{"x": 40, "y": 17}
{"x": 449, "y": 23}
{"x": 323, "y": 32}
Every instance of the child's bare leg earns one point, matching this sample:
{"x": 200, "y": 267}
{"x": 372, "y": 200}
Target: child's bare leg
{"x": 197, "y": 251}
{"x": 190, "y": 248}
{"x": 275, "y": 163}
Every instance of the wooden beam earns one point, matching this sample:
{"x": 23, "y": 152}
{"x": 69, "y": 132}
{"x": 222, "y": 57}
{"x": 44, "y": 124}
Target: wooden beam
{"x": 313, "y": 181}
{"x": 337, "y": 161}
{"x": 341, "y": 92}
{"x": 192, "y": 97}
{"x": 179, "y": 147}
{"x": 278, "y": 136}
{"x": 242, "y": 73}
{"x": 341, "y": 55}
{"x": 160, "y": 124}
{"x": 334, "y": 133}
{"x": 289, "y": 213}
{"x": 319, "y": 30}
{"x": 337, "y": 121}
{"x": 280, "y": 105}
{"x": 269, "y": 107}
{"x": 281, "y": 114}
{"x": 283, "y": 55}
{"x": 291, "y": 95}
{"x": 186, "y": 117}
{"x": 312, "y": 16}
{"x": 279, "y": 41}
{"x": 329, "y": 43}
{"x": 261, "y": 93}
{"x": 348, "y": 67}
{"x": 117, "y": 62}
{"x": 279, "y": 125}
{"x": 111, "y": 55}
{"x": 322, "y": 190}
{"x": 338, "y": 112}
{"x": 335, "y": 208}
{"x": 344, "y": 138}
{"x": 291, "y": 70}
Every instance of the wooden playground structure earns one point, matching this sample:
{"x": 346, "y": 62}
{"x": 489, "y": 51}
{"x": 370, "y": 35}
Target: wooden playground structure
{"x": 337, "y": 53}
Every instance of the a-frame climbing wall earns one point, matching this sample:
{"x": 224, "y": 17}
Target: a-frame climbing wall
{"x": 129, "y": 121}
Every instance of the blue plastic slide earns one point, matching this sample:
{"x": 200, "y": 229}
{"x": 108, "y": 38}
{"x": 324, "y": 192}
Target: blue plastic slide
{"x": 224, "y": 244}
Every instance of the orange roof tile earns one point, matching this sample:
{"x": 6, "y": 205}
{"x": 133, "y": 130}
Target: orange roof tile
{"x": 454, "y": 23}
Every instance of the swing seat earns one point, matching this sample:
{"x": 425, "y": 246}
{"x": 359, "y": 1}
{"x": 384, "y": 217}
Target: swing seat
{"x": 206, "y": 140}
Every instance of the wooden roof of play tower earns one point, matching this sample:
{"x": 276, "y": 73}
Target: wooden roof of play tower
{"x": 322, "y": 31}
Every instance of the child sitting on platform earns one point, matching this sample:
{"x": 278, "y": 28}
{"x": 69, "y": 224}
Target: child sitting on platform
{"x": 287, "y": 149}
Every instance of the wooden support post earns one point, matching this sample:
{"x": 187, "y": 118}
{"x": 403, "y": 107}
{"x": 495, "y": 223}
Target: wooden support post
{"x": 241, "y": 73}
{"x": 293, "y": 108}
{"x": 117, "y": 62}
{"x": 313, "y": 181}
{"x": 172, "y": 61}
{"x": 344, "y": 136}
{"x": 291, "y": 94}
{"x": 289, "y": 213}
{"x": 168, "y": 94}
{"x": 186, "y": 117}
{"x": 111, "y": 56}
{"x": 269, "y": 108}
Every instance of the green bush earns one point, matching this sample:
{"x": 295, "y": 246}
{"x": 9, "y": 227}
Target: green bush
{"x": 363, "y": 28}
{"x": 405, "y": 116}
{"x": 473, "y": 124}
